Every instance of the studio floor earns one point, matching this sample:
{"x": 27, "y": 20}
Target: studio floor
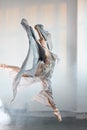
{"x": 44, "y": 123}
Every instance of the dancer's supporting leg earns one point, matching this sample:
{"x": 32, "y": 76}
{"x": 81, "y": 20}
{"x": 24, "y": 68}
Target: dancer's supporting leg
{"x": 48, "y": 93}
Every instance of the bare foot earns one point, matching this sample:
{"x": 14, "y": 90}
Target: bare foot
{"x": 58, "y": 115}
{"x": 2, "y": 65}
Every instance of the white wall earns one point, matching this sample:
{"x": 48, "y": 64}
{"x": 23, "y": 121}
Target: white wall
{"x": 82, "y": 56}
{"x": 59, "y": 18}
